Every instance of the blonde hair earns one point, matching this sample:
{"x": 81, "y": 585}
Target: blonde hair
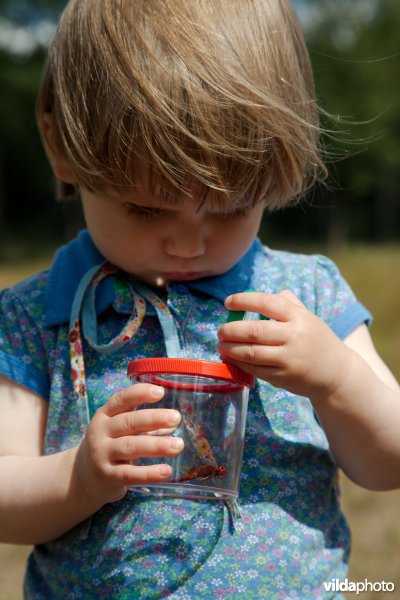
{"x": 215, "y": 95}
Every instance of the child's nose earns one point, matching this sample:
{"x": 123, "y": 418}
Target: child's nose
{"x": 186, "y": 240}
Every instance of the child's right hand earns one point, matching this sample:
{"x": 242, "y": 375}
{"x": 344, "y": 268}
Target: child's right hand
{"x": 117, "y": 436}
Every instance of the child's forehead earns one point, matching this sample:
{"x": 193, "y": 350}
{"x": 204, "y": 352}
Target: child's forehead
{"x": 150, "y": 187}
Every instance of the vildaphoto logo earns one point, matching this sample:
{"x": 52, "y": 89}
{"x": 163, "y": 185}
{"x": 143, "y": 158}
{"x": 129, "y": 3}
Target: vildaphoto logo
{"x": 358, "y": 587}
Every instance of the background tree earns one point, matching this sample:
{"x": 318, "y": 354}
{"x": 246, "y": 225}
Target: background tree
{"x": 26, "y": 183}
{"x": 355, "y": 51}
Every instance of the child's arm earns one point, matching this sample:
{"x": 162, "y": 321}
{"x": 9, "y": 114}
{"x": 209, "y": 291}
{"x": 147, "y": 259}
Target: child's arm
{"x": 42, "y": 497}
{"x": 354, "y": 394}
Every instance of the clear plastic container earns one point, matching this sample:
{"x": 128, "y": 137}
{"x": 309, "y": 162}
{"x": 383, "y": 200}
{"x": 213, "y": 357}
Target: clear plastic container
{"x": 212, "y": 400}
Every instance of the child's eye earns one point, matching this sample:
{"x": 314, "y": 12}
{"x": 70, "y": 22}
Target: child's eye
{"x": 235, "y": 214}
{"x": 143, "y": 212}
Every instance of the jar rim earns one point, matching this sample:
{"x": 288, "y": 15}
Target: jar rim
{"x": 188, "y": 366}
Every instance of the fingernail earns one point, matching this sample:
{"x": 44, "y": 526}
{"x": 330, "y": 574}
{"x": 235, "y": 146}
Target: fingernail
{"x": 165, "y": 470}
{"x": 177, "y": 443}
{"x": 173, "y": 417}
{"x": 157, "y": 391}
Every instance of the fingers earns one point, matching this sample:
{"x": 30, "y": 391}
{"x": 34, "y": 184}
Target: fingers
{"x": 278, "y": 306}
{"x": 257, "y": 332}
{"x": 130, "y": 448}
{"x": 261, "y": 342}
{"x": 268, "y": 373}
{"x": 153, "y": 421}
{"x": 117, "y": 435}
{"x": 132, "y": 396}
{"x": 129, "y": 475}
{"x": 144, "y": 432}
{"x": 252, "y": 354}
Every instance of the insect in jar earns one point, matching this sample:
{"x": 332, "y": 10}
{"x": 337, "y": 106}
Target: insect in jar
{"x": 202, "y": 473}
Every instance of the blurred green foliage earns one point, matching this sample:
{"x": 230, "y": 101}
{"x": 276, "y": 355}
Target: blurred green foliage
{"x": 355, "y": 51}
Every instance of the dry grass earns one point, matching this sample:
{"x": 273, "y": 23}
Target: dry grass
{"x": 12, "y": 561}
{"x": 375, "y": 527}
{"x": 12, "y": 272}
{"x": 373, "y": 517}
{"x": 373, "y": 272}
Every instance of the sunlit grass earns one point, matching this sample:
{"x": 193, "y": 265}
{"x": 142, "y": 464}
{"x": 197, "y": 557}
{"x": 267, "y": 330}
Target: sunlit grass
{"x": 12, "y": 272}
{"x": 373, "y": 274}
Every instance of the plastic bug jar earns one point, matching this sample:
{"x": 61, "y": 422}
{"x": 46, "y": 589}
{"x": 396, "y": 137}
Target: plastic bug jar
{"x": 212, "y": 399}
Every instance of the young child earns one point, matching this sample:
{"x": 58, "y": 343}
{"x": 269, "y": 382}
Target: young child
{"x": 178, "y": 123}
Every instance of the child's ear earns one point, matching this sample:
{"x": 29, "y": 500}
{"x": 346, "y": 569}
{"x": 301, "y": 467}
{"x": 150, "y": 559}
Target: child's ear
{"x": 61, "y": 168}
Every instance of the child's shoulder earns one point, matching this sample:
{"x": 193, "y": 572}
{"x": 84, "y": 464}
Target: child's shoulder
{"x": 317, "y": 282}
{"x": 295, "y": 266}
{"x": 49, "y": 293}
{"x": 28, "y": 295}
{"x": 32, "y": 287}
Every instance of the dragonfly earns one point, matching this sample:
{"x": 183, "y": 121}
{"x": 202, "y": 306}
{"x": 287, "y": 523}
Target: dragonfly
{"x": 203, "y": 449}
{"x": 202, "y": 473}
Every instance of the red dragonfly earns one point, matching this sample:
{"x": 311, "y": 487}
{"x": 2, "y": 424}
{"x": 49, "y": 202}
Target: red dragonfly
{"x": 203, "y": 473}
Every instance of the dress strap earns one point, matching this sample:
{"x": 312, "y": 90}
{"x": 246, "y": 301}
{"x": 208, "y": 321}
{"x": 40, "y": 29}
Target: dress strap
{"x": 83, "y": 324}
{"x": 166, "y": 319}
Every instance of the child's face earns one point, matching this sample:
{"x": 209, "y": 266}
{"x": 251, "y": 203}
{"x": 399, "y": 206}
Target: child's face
{"x": 161, "y": 242}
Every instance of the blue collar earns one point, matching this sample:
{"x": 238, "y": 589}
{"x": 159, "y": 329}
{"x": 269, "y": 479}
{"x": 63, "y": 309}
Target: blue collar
{"x": 73, "y": 260}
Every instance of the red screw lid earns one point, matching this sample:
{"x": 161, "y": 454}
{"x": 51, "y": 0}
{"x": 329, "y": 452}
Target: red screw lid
{"x": 187, "y": 366}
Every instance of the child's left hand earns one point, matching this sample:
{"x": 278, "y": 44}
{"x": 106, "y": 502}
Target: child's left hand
{"x": 295, "y": 350}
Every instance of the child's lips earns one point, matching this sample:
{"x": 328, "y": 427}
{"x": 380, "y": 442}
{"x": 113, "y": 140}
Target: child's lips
{"x": 183, "y": 276}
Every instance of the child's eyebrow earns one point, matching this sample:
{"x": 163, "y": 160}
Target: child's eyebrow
{"x": 158, "y": 207}
{"x": 174, "y": 208}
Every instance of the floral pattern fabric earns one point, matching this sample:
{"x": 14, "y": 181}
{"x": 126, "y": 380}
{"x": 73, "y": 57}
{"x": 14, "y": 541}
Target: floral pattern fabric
{"x": 292, "y": 536}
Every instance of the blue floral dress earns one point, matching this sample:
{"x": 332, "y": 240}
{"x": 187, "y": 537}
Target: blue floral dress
{"x": 292, "y": 536}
